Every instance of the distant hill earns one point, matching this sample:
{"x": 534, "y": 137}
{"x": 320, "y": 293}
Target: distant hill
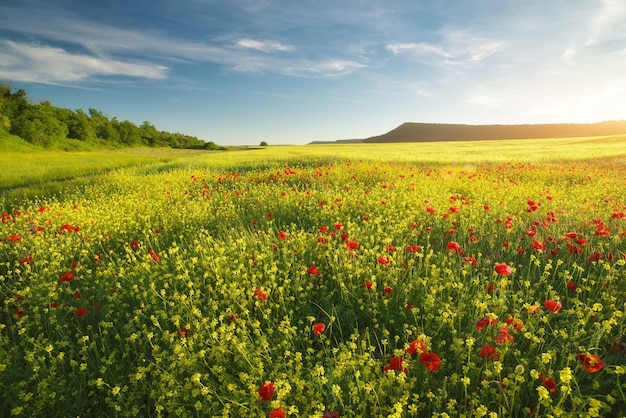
{"x": 339, "y": 141}
{"x": 432, "y": 132}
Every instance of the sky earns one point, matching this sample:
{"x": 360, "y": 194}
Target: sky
{"x": 238, "y": 72}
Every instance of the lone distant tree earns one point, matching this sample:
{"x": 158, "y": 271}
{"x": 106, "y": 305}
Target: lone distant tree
{"x": 263, "y": 144}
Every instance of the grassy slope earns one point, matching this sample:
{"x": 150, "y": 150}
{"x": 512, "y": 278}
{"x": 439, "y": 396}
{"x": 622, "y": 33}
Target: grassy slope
{"x": 31, "y": 171}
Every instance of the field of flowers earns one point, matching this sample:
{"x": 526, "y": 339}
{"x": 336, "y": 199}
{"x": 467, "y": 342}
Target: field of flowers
{"x": 327, "y": 287}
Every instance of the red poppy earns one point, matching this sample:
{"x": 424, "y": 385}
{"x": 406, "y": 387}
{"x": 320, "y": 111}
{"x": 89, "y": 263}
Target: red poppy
{"x": 338, "y": 226}
{"x": 571, "y": 285}
{"x": 183, "y": 332}
{"x": 548, "y": 383}
{"x": 383, "y": 260}
{"x": 54, "y": 304}
{"x": 260, "y": 295}
{"x": 134, "y": 244}
{"x": 154, "y": 255}
{"x": 14, "y": 238}
{"x": 331, "y": 414}
{"x": 27, "y": 259}
{"x": 67, "y": 277}
{"x": 489, "y": 351}
{"x": 396, "y": 363}
{"x": 484, "y": 322}
{"x": 454, "y": 246}
{"x": 78, "y": 295}
{"x": 503, "y": 336}
{"x": 516, "y": 323}
{"x": 590, "y": 362}
{"x": 319, "y": 328}
{"x": 503, "y": 269}
{"x": 313, "y": 270}
{"x": 387, "y": 290}
{"x": 368, "y": 285}
{"x": 19, "y": 312}
{"x": 431, "y": 361}
{"x": 277, "y": 413}
{"x": 80, "y": 312}
{"x": 416, "y": 347}
{"x": 282, "y": 235}
{"x": 266, "y": 391}
{"x": 409, "y": 305}
{"x": 538, "y": 246}
{"x": 470, "y": 260}
{"x": 352, "y": 245}
{"x": 323, "y": 229}
{"x": 413, "y": 248}
{"x": 553, "y": 306}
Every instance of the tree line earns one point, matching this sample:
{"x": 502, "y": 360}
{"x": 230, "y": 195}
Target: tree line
{"x": 45, "y": 125}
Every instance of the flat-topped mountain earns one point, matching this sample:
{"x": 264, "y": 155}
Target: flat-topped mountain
{"x": 431, "y": 132}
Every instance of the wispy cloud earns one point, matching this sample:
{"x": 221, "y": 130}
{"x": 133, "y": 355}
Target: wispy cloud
{"x": 45, "y": 64}
{"x": 104, "y": 49}
{"x": 454, "y": 46}
{"x": 265, "y": 46}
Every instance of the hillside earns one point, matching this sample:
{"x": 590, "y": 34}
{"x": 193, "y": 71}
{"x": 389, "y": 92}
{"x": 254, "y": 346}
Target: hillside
{"x": 431, "y": 132}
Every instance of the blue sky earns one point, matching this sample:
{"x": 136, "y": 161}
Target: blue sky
{"x": 295, "y": 71}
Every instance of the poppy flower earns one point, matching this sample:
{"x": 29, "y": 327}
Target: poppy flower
{"x": 516, "y": 323}
{"x": 396, "y": 363}
{"x": 470, "y": 260}
{"x": 319, "y": 328}
{"x": 78, "y": 295}
{"x": 489, "y": 351}
{"x": 553, "y": 306}
{"x": 134, "y": 244}
{"x": 27, "y": 259}
{"x": 14, "y": 238}
{"x": 484, "y": 322}
{"x": 338, "y": 226}
{"x": 313, "y": 270}
{"x": 387, "y": 290}
{"x": 260, "y": 295}
{"x": 53, "y": 305}
{"x": 331, "y": 414}
{"x": 431, "y": 361}
{"x": 154, "y": 256}
{"x": 67, "y": 277}
{"x": 368, "y": 285}
{"x": 80, "y": 312}
{"x": 183, "y": 332}
{"x": 266, "y": 391}
{"x": 282, "y": 235}
{"x": 504, "y": 337}
{"x": 383, "y": 260}
{"x": 590, "y": 362}
{"x": 416, "y": 347}
{"x": 503, "y": 269}
{"x": 413, "y": 248}
{"x": 454, "y": 246}
{"x": 277, "y": 413}
{"x": 571, "y": 285}
{"x": 549, "y": 384}
{"x": 323, "y": 229}
{"x": 352, "y": 245}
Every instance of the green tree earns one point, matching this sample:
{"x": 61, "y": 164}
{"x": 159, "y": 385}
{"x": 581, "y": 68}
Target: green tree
{"x": 39, "y": 125}
{"x": 129, "y": 133}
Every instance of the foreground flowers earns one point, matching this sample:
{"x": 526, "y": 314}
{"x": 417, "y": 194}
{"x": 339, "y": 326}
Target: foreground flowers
{"x": 590, "y": 362}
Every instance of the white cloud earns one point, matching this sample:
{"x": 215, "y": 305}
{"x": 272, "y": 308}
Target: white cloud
{"x": 31, "y": 62}
{"x": 265, "y": 46}
{"x": 419, "y": 48}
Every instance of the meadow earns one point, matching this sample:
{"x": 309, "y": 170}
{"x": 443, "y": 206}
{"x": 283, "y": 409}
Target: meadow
{"x": 410, "y": 280}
